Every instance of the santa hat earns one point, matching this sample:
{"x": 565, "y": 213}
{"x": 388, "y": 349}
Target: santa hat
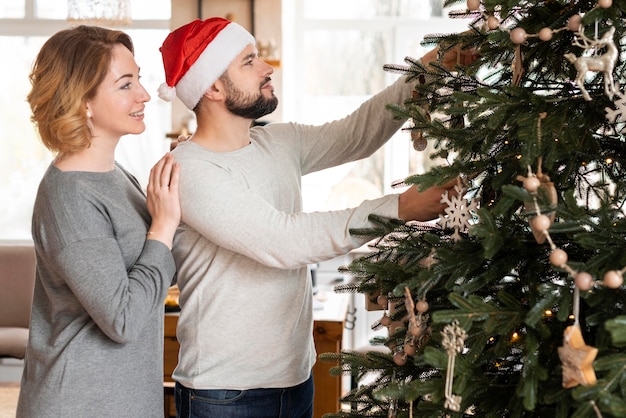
{"x": 197, "y": 54}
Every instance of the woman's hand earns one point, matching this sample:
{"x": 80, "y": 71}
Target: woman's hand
{"x": 162, "y": 200}
{"x": 181, "y": 138}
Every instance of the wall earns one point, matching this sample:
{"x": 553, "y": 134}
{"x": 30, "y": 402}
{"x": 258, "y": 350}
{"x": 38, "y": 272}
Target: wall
{"x": 267, "y": 25}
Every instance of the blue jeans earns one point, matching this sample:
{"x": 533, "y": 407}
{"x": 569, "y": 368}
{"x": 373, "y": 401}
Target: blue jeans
{"x": 293, "y": 402}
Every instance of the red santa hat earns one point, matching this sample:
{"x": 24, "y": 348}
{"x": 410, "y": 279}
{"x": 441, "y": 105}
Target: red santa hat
{"x": 197, "y": 54}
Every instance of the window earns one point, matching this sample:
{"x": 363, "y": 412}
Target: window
{"x": 334, "y": 52}
{"x": 24, "y": 27}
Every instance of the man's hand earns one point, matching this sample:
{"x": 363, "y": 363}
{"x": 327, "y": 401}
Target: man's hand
{"x": 452, "y": 57}
{"x": 414, "y": 205}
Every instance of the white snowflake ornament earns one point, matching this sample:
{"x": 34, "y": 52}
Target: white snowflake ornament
{"x": 459, "y": 212}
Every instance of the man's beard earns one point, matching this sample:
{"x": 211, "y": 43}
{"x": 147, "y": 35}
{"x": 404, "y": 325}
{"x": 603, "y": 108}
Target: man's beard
{"x": 246, "y": 105}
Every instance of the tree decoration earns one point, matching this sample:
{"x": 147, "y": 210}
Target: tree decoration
{"x": 416, "y": 323}
{"x": 453, "y": 340}
{"x": 459, "y": 212}
{"x": 604, "y": 63}
{"x": 417, "y": 135}
{"x": 473, "y": 4}
{"x": 517, "y": 66}
{"x": 577, "y": 359}
{"x": 540, "y": 225}
{"x": 540, "y": 185}
{"x": 576, "y": 356}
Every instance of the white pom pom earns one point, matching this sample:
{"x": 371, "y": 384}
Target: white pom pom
{"x": 166, "y": 92}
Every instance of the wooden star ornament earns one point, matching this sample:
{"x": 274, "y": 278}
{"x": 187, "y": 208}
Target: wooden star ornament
{"x": 577, "y": 359}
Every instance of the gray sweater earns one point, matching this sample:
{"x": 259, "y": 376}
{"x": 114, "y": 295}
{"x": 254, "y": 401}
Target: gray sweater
{"x": 244, "y": 244}
{"x": 96, "y": 331}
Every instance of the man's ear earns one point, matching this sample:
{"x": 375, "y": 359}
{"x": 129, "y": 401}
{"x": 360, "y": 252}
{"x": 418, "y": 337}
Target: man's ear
{"x": 215, "y": 92}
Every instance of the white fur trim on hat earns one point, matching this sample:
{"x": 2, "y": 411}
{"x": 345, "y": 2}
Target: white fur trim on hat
{"x": 212, "y": 63}
{"x": 166, "y": 92}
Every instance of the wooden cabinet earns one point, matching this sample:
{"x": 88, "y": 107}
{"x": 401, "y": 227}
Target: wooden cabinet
{"x": 170, "y": 346}
{"x": 329, "y": 320}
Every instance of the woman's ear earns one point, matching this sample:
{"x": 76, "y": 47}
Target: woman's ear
{"x": 88, "y": 112}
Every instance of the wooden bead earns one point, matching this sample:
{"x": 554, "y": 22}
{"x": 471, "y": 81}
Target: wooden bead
{"x": 421, "y": 306}
{"x": 531, "y": 184}
{"x": 574, "y": 22}
{"x": 558, "y": 257}
{"x": 545, "y": 34}
{"x": 583, "y": 281}
{"x": 416, "y": 331}
{"x": 613, "y": 279}
{"x": 473, "y": 4}
{"x": 518, "y": 36}
{"x": 493, "y": 22}
{"x": 540, "y": 223}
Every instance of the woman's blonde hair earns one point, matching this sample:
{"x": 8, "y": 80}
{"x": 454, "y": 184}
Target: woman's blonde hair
{"x": 66, "y": 74}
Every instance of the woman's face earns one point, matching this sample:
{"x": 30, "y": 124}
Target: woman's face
{"x": 117, "y": 109}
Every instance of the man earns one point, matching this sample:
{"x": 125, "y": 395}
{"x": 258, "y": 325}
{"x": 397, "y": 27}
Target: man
{"x": 242, "y": 250}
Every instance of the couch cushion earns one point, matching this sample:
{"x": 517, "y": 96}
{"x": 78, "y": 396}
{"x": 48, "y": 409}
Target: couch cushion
{"x": 13, "y": 342}
{"x": 17, "y": 280}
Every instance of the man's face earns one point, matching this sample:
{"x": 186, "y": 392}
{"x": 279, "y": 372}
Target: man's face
{"x": 249, "y": 70}
{"x": 252, "y": 105}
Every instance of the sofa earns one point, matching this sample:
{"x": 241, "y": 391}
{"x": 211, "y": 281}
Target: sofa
{"x": 17, "y": 280}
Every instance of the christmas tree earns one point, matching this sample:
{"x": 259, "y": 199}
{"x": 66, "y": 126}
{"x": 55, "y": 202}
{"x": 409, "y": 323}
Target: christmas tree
{"x": 513, "y": 304}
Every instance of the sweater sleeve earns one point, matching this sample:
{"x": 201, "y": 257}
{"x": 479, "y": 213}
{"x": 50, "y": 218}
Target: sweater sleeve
{"x": 233, "y": 216}
{"x": 355, "y": 136}
{"x": 120, "y": 302}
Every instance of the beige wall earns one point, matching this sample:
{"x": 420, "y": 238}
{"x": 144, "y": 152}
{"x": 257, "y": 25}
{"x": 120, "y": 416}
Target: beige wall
{"x": 267, "y": 25}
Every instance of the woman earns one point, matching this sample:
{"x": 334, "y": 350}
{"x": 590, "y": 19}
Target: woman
{"x": 104, "y": 261}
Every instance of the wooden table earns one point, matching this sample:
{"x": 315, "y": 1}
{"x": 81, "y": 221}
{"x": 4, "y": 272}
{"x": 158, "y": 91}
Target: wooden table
{"x": 329, "y": 321}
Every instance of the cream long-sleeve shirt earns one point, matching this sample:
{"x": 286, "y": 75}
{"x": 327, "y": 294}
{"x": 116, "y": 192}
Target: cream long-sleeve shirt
{"x": 244, "y": 244}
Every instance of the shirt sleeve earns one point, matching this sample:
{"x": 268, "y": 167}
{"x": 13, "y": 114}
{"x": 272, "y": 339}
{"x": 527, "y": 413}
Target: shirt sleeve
{"x": 355, "y": 136}
{"x": 228, "y": 213}
{"x": 120, "y": 302}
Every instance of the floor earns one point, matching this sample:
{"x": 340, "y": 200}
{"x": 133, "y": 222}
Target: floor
{"x": 9, "y": 392}
{"x": 11, "y": 373}
{"x": 10, "y": 376}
